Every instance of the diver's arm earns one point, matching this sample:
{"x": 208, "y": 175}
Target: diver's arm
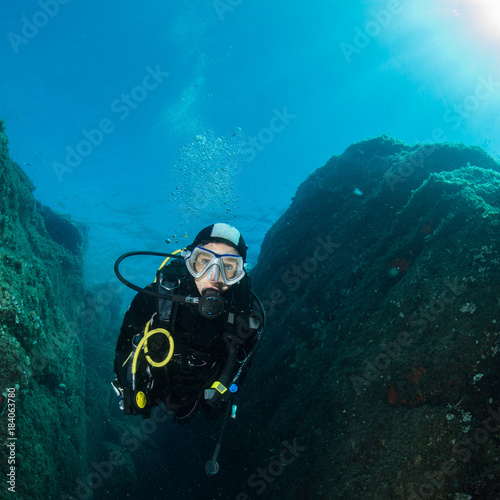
{"x": 241, "y": 349}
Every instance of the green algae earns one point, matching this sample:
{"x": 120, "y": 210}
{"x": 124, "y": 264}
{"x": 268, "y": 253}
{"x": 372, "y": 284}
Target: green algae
{"x": 40, "y": 343}
{"x": 365, "y": 360}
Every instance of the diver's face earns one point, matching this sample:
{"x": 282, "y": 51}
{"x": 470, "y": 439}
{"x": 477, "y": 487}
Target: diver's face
{"x": 212, "y": 280}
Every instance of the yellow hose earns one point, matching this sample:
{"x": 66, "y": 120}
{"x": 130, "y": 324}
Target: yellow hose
{"x": 147, "y": 334}
{"x": 143, "y": 342}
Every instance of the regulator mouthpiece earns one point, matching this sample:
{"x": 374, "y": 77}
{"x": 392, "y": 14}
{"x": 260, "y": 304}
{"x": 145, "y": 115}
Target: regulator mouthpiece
{"x": 211, "y": 305}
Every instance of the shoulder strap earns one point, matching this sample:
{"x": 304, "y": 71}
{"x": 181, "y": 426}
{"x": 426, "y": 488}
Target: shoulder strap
{"x": 169, "y": 280}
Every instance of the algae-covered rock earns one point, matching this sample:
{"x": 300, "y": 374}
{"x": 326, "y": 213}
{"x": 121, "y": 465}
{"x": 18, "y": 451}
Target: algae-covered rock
{"x": 381, "y": 357}
{"x": 41, "y": 298}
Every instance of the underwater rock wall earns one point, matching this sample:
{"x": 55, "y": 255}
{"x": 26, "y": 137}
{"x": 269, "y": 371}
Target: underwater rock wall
{"x": 41, "y": 362}
{"x": 379, "y": 373}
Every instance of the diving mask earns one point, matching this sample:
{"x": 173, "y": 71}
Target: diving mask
{"x": 229, "y": 267}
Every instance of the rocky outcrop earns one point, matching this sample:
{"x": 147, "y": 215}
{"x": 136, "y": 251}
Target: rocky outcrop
{"x": 41, "y": 370}
{"x": 379, "y": 373}
{"x": 378, "y": 376}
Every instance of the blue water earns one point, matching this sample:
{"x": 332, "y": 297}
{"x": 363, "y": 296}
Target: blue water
{"x": 306, "y": 78}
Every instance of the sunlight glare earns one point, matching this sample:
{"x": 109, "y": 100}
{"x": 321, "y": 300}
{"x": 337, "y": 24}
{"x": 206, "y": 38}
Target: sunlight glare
{"x": 484, "y": 16}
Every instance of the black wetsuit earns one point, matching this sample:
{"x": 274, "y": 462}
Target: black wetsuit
{"x": 203, "y": 347}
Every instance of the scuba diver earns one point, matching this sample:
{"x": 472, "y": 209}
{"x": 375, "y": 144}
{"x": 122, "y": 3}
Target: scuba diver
{"x": 187, "y": 339}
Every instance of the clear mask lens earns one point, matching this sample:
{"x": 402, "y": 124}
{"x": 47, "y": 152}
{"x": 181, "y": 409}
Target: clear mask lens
{"x": 227, "y": 268}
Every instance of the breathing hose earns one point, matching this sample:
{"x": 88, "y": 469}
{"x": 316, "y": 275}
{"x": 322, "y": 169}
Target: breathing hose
{"x": 212, "y": 466}
{"x": 231, "y": 362}
{"x": 143, "y": 342}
